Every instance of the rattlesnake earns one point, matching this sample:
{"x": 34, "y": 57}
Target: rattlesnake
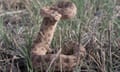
{"x": 51, "y": 17}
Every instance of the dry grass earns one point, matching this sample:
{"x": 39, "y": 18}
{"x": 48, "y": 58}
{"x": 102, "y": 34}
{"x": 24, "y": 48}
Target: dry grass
{"x": 96, "y": 26}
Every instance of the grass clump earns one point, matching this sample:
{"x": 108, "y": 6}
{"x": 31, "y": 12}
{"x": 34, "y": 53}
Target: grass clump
{"x": 96, "y": 26}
